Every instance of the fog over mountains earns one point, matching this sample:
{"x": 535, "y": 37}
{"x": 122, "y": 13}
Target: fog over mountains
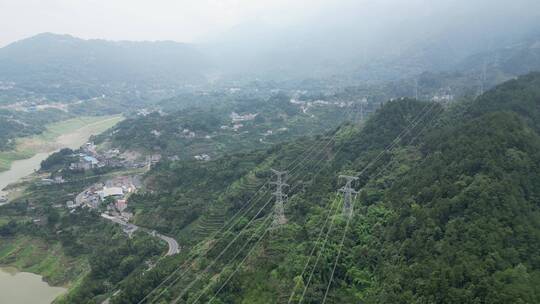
{"x": 271, "y": 151}
{"x": 351, "y": 41}
{"x": 59, "y": 58}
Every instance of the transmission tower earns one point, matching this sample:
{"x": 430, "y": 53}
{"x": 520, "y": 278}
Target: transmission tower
{"x": 363, "y": 103}
{"x": 279, "y": 213}
{"x": 348, "y": 191}
{"x": 483, "y": 82}
{"x": 416, "y": 89}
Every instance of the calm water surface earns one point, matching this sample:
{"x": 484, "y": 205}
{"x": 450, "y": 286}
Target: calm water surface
{"x": 25, "y": 288}
{"x": 21, "y": 168}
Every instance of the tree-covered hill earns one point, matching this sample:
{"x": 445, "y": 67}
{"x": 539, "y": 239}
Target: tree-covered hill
{"x": 62, "y": 60}
{"x": 451, "y": 214}
{"x": 448, "y": 211}
{"x": 230, "y": 126}
{"x": 515, "y": 59}
{"x": 520, "y": 96}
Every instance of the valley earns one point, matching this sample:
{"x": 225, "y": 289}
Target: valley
{"x": 64, "y": 134}
{"x": 200, "y": 203}
{"x": 297, "y": 152}
{"x": 31, "y": 151}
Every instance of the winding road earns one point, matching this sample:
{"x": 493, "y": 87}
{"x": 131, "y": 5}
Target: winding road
{"x": 174, "y": 248}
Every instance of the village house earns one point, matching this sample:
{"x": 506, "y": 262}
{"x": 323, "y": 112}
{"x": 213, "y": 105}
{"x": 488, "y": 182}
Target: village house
{"x": 85, "y": 162}
{"x": 90, "y": 148}
{"x": 237, "y": 127}
{"x": 235, "y": 117}
{"x": 115, "y": 192}
{"x": 120, "y": 205}
{"x": 202, "y": 157}
{"x": 153, "y": 159}
{"x": 72, "y": 204}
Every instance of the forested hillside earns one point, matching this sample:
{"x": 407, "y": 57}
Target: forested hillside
{"x": 49, "y": 61}
{"x": 448, "y": 211}
{"x": 237, "y": 124}
{"x": 58, "y": 76}
{"x": 449, "y": 214}
{"x": 270, "y": 152}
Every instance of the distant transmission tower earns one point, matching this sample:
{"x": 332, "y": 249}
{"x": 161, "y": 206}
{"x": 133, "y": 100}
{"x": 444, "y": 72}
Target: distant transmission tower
{"x": 416, "y": 89}
{"x": 363, "y": 103}
{"x": 348, "y": 191}
{"x": 482, "y": 85}
{"x": 279, "y": 212}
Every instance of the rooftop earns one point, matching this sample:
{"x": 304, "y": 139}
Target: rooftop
{"x": 111, "y": 191}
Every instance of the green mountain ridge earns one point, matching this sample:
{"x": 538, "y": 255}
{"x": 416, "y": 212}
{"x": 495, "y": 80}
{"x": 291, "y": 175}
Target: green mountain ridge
{"x": 451, "y": 215}
{"x": 211, "y": 129}
{"x": 66, "y": 60}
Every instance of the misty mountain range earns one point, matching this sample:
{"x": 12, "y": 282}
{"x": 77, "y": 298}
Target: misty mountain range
{"x": 62, "y": 60}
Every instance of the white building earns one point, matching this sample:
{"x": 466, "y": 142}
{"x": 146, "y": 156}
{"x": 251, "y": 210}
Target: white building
{"x": 72, "y": 205}
{"x": 111, "y": 191}
{"x": 203, "y": 157}
{"x": 235, "y": 117}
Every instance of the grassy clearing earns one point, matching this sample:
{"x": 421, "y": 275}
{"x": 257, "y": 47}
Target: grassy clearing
{"x": 68, "y": 133}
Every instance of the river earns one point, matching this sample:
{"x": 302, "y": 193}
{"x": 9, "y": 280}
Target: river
{"x": 72, "y": 138}
{"x": 20, "y": 169}
{"x": 25, "y": 288}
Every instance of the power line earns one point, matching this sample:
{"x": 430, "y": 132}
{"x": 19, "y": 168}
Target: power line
{"x": 348, "y": 191}
{"x": 299, "y": 164}
{"x": 280, "y": 181}
{"x": 302, "y": 157}
{"x": 279, "y": 213}
{"x": 215, "y": 260}
{"x": 343, "y": 241}
{"x": 412, "y": 124}
{"x": 240, "y": 264}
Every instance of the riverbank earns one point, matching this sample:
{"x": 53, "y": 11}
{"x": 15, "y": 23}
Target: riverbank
{"x": 24, "y": 287}
{"x": 30, "y": 151}
{"x": 34, "y": 255}
{"x": 69, "y": 133}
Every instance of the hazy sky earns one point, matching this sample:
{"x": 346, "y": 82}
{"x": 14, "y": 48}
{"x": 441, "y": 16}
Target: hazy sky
{"x": 196, "y": 20}
{"x": 180, "y": 20}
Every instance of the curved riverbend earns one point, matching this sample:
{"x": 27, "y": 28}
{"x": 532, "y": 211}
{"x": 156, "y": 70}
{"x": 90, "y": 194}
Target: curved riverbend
{"x": 67, "y": 134}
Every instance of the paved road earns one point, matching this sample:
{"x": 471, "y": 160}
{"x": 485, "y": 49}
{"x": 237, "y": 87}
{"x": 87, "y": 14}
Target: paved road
{"x": 173, "y": 244}
{"x": 174, "y": 248}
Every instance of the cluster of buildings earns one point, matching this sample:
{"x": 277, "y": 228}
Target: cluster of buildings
{"x": 115, "y": 191}
{"x": 442, "y": 98}
{"x": 187, "y": 133}
{"x": 3, "y": 198}
{"x": 6, "y": 85}
{"x": 306, "y": 105}
{"x": 51, "y": 181}
{"x": 235, "y": 117}
{"x": 89, "y": 158}
{"x": 86, "y": 162}
{"x": 202, "y": 157}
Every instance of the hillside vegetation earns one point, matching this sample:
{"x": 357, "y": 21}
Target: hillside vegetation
{"x": 449, "y": 215}
{"x": 448, "y": 211}
{"x": 232, "y": 126}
